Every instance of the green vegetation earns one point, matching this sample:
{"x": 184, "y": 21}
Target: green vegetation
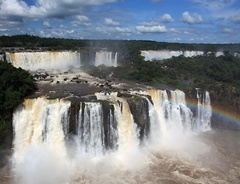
{"x": 199, "y": 70}
{"x": 219, "y": 75}
{"x": 15, "y": 84}
{"x": 126, "y": 47}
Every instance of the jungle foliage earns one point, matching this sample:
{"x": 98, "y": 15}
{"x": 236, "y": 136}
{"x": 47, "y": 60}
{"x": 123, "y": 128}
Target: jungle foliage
{"x": 15, "y": 84}
{"x": 124, "y": 46}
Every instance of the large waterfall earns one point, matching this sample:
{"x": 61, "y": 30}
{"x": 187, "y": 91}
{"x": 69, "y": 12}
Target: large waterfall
{"x": 44, "y": 60}
{"x": 63, "y": 60}
{"x": 151, "y": 136}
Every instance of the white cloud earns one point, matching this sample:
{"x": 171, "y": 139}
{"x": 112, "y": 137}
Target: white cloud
{"x": 110, "y": 22}
{"x": 50, "y": 8}
{"x": 123, "y": 30}
{"x": 13, "y": 8}
{"x": 81, "y": 20}
{"x": 191, "y": 19}
{"x": 227, "y": 30}
{"x": 47, "y": 24}
{"x": 166, "y": 18}
{"x": 62, "y": 26}
{"x": 151, "y": 29}
{"x": 173, "y": 30}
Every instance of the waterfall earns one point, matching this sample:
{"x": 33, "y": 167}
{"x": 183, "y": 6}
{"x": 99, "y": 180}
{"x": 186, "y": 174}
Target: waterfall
{"x": 172, "y": 113}
{"x": 52, "y": 132}
{"x": 127, "y": 129}
{"x": 63, "y": 60}
{"x": 41, "y": 121}
{"x": 150, "y": 55}
{"x": 204, "y": 111}
{"x": 106, "y": 58}
{"x": 90, "y": 128}
{"x": 102, "y": 125}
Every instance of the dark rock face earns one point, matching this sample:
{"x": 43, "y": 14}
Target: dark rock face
{"x": 140, "y": 111}
{"x": 109, "y": 121}
{"x": 88, "y": 58}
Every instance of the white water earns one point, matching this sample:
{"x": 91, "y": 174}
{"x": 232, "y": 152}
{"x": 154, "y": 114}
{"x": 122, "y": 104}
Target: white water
{"x": 90, "y": 129}
{"x": 150, "y": 55}
{"x": 39, "y": 145}
{"x": 173, "y": 151}
{"x": 62, "y": 60}
{"x": 45, "y": 60}
{"x": 204, "y": 113}
{"x": 106, "y": 58}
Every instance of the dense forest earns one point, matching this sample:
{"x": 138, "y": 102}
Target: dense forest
{"x": 15, "y": 85}
{"x": 124, "y": 46}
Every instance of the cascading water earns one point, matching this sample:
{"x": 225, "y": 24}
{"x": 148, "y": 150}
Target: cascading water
{"x": 106, "y": 58}
{"x": 39, "y": 128}
{"x": 204, "y": 113}
{"x": 90, "y": 128}
{"x": 150, "y": 55}
{"x": 59, "y": 60}
{"x": 32, "y": 61}
{"x": 41, "y": 121}
{"x": 110, "y": 128}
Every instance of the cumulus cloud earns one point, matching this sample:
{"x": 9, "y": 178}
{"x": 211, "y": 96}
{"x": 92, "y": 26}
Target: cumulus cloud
{"x": 47, "y": 24}
{"x": 81, "y": 20}
{"x": 110, "y": 22}
{"x": 191, "y": 19}
{"x": 50, "y": 8}
{"x": 123, "y": 30}
{"x": 151, "y": 29}
{"x": 166, "y": 18}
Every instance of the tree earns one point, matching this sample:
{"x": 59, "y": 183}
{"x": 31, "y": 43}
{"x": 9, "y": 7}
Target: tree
{"x": 15, "y": 85}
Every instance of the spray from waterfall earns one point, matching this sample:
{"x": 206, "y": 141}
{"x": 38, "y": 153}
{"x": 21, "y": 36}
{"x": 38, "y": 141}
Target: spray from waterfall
{"x": 104, "y": 130}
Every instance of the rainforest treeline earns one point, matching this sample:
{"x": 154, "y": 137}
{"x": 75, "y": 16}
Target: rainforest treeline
{"x": 125, "y": 46}
{"x": 15, "y": 85}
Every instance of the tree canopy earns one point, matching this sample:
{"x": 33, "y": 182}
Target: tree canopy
{"x": 15, "y": 85}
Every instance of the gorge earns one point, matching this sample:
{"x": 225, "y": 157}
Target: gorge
{"x": 81, "y": 129}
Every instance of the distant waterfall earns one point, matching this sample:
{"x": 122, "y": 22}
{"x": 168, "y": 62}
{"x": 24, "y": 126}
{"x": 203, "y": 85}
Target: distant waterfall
{"x": 150, "y": 55}
{"x": 106, "y": 58}
{"x": 63, "y": 60}
{"x": 60, "y": 60}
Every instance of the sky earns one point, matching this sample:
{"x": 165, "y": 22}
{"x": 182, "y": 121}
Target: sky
{"x": 183, "y": 21}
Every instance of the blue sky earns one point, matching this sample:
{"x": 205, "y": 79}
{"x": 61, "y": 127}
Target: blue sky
{"x": 187, "y": 21}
